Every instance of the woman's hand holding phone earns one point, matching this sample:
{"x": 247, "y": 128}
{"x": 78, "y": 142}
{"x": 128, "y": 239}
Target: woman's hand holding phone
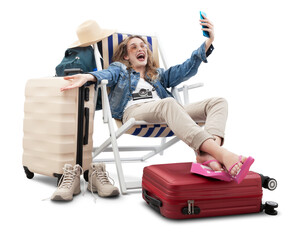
{"x": 207, "y": 28}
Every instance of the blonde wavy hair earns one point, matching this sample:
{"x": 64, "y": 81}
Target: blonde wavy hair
{"x": 122, "y": 51}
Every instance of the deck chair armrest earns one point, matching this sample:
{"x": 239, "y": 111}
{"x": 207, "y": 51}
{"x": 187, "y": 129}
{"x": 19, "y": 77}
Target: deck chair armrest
{"x": 103, "y": 82}
{"x": 195, "y": 85}
{"x": 185, "y": 89}
{"x": 105, "y": 100}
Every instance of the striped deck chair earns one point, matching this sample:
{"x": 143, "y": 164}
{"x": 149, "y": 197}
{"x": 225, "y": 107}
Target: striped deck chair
{"x": 103, "y": 53}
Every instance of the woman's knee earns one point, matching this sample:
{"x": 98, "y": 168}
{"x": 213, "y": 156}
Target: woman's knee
{"x": 219, "y": 101}
{"x": 222, "y": 101}
{"x": 169, "y": 101}
{"x": 170, "y": 104}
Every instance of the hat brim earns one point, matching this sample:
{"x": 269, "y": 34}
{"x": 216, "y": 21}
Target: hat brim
{"x": 105, "y": 34}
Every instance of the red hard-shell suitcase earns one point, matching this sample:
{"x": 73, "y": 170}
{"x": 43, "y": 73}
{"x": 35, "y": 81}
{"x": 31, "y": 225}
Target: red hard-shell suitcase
{"x": 176, "y": 193}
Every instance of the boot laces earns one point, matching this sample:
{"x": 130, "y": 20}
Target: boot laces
{"x": 68, "y": 177}
{"x": 103, "y": 177}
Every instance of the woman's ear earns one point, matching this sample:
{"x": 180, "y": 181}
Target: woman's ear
{"x": 126, "y": 57}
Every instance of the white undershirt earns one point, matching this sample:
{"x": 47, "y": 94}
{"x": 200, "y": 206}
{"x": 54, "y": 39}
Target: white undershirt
{"x": 142, "y": 84}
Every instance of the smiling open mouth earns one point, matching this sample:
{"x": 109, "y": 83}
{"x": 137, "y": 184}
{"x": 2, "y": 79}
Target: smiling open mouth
{"x": 141, "y": 56}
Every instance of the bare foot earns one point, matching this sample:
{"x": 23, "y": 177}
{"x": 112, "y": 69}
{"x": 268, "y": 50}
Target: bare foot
{"x": 203, "y": 157}
{"x": 231, "y": 159}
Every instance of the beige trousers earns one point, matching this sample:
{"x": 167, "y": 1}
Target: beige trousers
{"x": 181, "y": 119}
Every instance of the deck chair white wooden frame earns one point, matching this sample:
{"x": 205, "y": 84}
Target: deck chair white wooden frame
{"x": 133, "y": 127}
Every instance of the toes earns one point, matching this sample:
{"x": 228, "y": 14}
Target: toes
{"x": 236, "y": 169}
{"x": 215, "y": 166}
{"x": 243, "y": 160}
{"x": 233, "y": 171}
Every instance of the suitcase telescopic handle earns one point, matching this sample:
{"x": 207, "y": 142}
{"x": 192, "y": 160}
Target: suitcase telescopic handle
{"x": 86, "y": 115}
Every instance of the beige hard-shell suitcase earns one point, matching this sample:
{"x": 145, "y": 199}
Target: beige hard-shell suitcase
{"x": 58, "y": 127}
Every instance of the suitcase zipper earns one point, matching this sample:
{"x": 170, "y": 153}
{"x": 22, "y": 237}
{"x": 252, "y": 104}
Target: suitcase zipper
{"x": 190, "y": 207}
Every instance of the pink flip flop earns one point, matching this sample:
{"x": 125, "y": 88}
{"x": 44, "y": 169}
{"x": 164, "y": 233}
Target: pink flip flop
{"x": 244, "y": 169}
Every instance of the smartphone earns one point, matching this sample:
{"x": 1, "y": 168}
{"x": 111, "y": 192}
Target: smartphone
{"x": 205, "y": 33}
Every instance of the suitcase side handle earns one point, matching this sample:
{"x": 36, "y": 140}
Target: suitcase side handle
{"x": 72, "y": 71}
{"x": 153, "y": 202}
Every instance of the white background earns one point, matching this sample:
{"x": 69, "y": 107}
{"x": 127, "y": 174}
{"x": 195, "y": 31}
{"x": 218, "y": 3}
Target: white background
{"x": 253, "y": 67}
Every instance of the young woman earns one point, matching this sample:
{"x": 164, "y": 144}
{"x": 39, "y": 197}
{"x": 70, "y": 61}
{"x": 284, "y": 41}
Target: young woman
{"x": 139, "y": 90}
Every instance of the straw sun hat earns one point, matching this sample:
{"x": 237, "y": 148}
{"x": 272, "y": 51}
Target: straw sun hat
{"x": 89, "y": 33}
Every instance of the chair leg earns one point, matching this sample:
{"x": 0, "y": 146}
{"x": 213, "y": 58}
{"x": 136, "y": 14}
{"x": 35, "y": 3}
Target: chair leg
{"x": 119, "y": 169}
{"x": 124, "y": 186}
{"x": 161, "y": 148}
{"x": 163, "y": 141}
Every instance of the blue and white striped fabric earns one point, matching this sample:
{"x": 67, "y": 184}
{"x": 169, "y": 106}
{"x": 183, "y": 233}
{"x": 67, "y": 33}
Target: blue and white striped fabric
{"x": 107, "y": 47}
{"x": 156, "y": 130}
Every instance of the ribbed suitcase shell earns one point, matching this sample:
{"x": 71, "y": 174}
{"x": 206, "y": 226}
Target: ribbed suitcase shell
{"x": 51, "y": 126}
{"x": 175, "y": 188}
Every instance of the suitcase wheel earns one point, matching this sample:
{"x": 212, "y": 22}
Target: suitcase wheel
{"x": 85, "y": 175}
{"x": 270, "y": 208}
{"x": 58, "y": 176}
{"x": 272, "y": 184}
{"x": 269, "y": 183}
{"x": 29, "y": 174}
